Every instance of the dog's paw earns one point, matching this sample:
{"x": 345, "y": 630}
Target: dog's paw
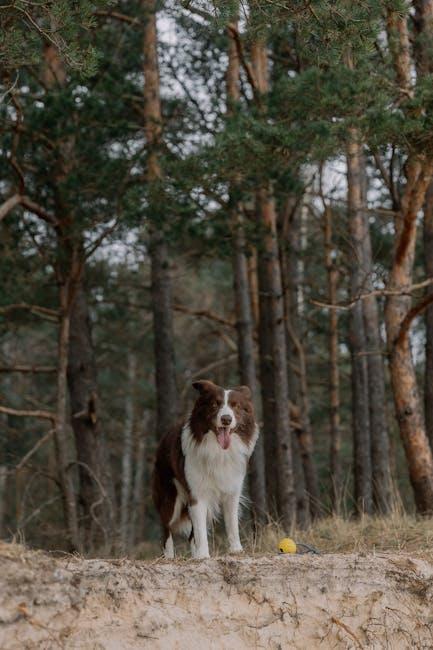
{"x": 236, "y": 548}
{"x": 201, "y": 555}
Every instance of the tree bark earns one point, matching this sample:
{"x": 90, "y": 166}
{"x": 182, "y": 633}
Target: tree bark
{"x": 126, "y": 487}
{"x": 67, "y": 273}
{"x": 273, "y": 341}
{"x": 253, "y": 284}
{"x": 165, "y": 367}
{"x": 165, "y": 363}
{"x": 270, "y": 286}
{"x": 244, "y": 314}
{"x": 423, "y": 23}
{"x": 334, "y": 372}
{"x": 268, "y": 405}
{"x": 61, "y": 432}
{"x": 303, "y": 518}
{"x": 3, "y": 481}
{"x": 380, "y": 447}
{"x": 292, "y": 273}
{"x": 418, "y": 171}
{"x": 403, "y": 377}
{"x": 357, "y": 337}
{"x": 247, "y": 367}
{"x": 379, "y": 434}
{"x": 137, "y": 505}
{"x": 96, "y": 494}
{"x": 428, "y": 262}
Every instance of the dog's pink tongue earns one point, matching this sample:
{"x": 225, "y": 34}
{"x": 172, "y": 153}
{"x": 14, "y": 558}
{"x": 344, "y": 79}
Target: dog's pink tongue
{"x": 223, "y": 437}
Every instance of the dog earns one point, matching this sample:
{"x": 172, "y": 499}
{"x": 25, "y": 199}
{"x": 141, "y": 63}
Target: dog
{"x": 201, "y": 465}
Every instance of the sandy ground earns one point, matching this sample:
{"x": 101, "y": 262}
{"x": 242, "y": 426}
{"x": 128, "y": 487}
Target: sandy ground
{"x": 332, "y": 601}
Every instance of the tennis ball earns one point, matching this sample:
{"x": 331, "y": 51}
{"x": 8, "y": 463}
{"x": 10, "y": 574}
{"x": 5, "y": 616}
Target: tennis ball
{"x": 286, "y": 545}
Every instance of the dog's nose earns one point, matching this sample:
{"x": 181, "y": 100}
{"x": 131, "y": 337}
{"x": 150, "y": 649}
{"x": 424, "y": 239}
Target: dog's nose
{"x": 226, "y": 420}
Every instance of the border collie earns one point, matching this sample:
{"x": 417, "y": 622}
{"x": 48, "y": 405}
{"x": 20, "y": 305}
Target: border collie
{"x": 201, "y": 466}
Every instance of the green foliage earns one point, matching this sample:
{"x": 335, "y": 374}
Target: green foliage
{"x": 26, "y": 26}
{"x": 79, "y": 150}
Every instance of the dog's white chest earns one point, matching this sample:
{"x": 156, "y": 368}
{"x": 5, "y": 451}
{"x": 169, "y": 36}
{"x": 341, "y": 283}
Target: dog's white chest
{"x": 212, "y": 472}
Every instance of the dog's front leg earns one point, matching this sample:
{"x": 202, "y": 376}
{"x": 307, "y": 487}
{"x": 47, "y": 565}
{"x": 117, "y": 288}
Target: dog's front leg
{"x": 198, "y": 514}
{"x": 231, "y": 521}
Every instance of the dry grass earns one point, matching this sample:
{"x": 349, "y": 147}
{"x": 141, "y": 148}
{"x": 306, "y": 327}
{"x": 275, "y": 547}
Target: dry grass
{"x": 11, "y": 551}
{"x": 334, "y": 534}
{"x": 397, "y": 532}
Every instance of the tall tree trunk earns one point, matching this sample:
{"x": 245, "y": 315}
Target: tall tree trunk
{"x": 428, "y": 262}
{"x": 137, "y": 504}
{"x": 3, "y": 481}
{"x": 380, "y": 443}
{"x": 165, "y": 368}
{"x": 303, "y": 519}
{"x": 292, "y": 273}
{"x": 54, "y": 73}
{"x": 398, "y": 317}
{"x": 96, "y": 494}
{"x": 253, "y": 285}
{"x": 357, "y": 338}
{"x": 423, "y": 23}
{"x": 247, "y": 368}
{"x": 270, "y": 286}
{"x": 126, "y": 487}
{"x": 165, "y": 364}
{"x": 272, "y": 317}
{"x": 61, "y": 432}
{"x": 380, "y": 447}
{"x": 268, "y": 405}
{"x": 399, "y": 312}
{"x": 77, "y": 368}
{"x": 244, "y": 314}
{"x": 334, "y": 372}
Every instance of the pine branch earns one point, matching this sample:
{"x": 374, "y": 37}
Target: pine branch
{"x": 43, "y": 312}
{"x": 34, "y": 449}
{"x": 9, "y": 205}
{"x": 187, "y": 4}
{"x": 417, "y": 310}
{"x": 376, "y": 292}
{"x": 39, "y": 414}
{"x": 28, "y": 369}
{"x": 116, "y": 15}
{"x": 30, "y": 205}
{"x": 203, "y": 313}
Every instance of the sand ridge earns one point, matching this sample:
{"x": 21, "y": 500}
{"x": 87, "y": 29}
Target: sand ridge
{"x": 382, "y": 600}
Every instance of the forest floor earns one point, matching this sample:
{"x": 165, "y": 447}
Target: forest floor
{"x": 375, "y": 599}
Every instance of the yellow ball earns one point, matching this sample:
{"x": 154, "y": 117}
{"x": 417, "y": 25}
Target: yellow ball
{"x": 286, "y": 545}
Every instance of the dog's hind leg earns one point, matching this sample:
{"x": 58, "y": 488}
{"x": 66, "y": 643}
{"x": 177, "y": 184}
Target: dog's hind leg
{"x": 192, "y": 542}
{"x": 168, "y": 544}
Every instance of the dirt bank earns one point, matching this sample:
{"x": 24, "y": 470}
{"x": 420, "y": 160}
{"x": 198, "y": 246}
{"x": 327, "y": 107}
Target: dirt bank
{"x": 332, "y": 601}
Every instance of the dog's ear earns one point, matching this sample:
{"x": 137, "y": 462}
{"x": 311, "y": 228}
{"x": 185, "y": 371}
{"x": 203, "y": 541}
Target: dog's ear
{"x": 244, "y": 390}
{"x": 204, "y": 386}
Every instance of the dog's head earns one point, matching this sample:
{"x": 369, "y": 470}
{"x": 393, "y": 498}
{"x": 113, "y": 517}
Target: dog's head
{"x": 223, "y": 412}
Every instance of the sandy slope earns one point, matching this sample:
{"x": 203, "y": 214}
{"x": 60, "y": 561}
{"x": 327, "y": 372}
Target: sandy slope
{"x": 332, "y": 601}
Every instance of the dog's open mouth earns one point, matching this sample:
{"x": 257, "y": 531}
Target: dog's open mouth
{"x": 224, "y": 437}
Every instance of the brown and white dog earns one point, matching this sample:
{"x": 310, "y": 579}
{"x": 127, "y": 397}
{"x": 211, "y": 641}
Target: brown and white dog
{"x": 201, "y": 466}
